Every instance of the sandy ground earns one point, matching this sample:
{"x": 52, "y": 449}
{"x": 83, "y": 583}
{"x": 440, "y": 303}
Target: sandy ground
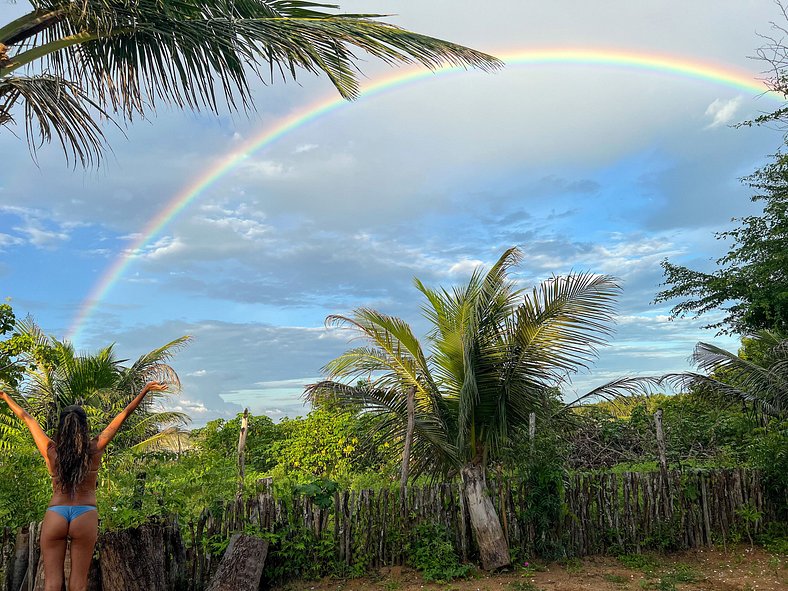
{"x": 738, "y": 569}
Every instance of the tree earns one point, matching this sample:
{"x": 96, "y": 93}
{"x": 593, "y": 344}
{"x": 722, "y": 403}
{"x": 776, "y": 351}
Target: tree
{"x": 112, "y": 58}
{"x": 494, "y": 355}
{"x": 55, "y": 377}
{"x": 759, "y": 382}
{"x": 751, "y": 282}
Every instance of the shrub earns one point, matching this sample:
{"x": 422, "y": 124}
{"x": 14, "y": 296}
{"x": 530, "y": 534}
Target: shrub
{"x": 432, "y": 553}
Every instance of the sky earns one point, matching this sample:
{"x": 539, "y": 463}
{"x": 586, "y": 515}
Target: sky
{"x": 584, "y": 167}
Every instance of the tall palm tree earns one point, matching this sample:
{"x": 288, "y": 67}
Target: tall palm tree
{"x": 57, "y": 377}
{"x": 758, "y": 382}
{"x": 97, "y": 58}
{"x": 494, "y": 354}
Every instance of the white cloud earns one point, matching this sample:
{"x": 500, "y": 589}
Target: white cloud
{"x": 465, "y": 267}
{"x": 300, "y": 149}
{"x": 722, "y": 112}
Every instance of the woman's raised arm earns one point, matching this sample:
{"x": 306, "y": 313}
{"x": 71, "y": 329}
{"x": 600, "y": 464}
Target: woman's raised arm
{"x": 41, "y": 439}
{"x": 112, "y": 429}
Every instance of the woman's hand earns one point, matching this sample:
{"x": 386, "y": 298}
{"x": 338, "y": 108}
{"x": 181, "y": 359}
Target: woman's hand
{"x": 154, "y": 387}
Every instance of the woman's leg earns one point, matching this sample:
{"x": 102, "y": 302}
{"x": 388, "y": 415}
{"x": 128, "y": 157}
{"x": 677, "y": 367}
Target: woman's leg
{"x": 54, "y": 530}
{"x": 83, "y": 532}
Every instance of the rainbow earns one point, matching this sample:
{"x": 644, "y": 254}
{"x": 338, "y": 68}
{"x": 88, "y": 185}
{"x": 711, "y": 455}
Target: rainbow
{"x": 661, "y": 64}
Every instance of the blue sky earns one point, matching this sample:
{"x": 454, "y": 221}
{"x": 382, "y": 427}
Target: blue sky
{"x": 588, "y": 168}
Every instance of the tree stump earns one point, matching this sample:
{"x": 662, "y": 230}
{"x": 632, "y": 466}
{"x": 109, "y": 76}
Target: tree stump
{"x": 242, "y": 566}
{"x": 139, "y": 558}
{"x": 17, "y": 566}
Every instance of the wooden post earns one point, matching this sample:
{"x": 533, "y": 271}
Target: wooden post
{"x": 403, "y": 485}
{"x": 663, "y": 465}
{"x": 241, "y": 446}
{"x": 532, "y": 429}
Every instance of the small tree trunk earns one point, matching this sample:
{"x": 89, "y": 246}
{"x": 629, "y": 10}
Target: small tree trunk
{"x": 532, "y": 430}
{"x": 403, "y": 485}
{"x": 241, "y": 458}
{"x": 242, "y": 566}
{"x": 493, "y": 548}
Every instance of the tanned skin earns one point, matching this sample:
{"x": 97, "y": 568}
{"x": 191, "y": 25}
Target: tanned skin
{"x": 83, "y": 530}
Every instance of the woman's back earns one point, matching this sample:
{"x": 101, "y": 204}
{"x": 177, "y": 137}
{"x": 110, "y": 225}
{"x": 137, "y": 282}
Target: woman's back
{"x": 85, "y": 492}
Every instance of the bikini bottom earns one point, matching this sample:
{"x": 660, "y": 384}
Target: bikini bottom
{"x": 71, "y": 512}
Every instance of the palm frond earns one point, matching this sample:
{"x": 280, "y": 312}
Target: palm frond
{"x": 112, "y": 56}
{"x": 55, "y": 108}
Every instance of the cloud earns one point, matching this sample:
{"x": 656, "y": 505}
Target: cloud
{"x": 722, "y": 112}
{"x": 305, "y": 148}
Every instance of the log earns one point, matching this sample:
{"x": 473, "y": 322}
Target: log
{"x": 242, "y": 566}
{"x": 138, "y": 558}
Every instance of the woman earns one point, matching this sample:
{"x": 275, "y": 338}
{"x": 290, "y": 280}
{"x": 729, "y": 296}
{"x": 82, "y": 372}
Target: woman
{"x": 73, "y": 460}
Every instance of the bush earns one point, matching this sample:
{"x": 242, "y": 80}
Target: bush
{"x": 432, "y": 553}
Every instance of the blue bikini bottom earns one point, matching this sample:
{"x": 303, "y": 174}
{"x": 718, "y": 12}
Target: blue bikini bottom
{"x": 71, "y": 512}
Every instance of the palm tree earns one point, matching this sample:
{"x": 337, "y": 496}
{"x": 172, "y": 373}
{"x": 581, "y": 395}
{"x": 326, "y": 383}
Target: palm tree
{"x": 759, "y": 382}
{"x": 494, "y": 354}
{"x": 101, "y": 58}
{"x": 56, "y": 377}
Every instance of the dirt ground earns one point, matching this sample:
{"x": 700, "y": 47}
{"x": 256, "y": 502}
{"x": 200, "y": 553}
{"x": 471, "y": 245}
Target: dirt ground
{"x": 738, "y": 569}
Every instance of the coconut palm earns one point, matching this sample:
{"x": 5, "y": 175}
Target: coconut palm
{"x": 494, "y": 354}
{"x": 57, "y": 377}
{"x": 758, "y": 382}
{"x": 96, "y": 58}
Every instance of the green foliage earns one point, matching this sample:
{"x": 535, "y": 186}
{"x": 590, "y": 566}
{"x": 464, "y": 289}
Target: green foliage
{"x": 221, "y": 436}
{"x": 542, "y": 468}
{"x": 768, "y": 450}
{"x": 432, "y": 552}
{"x": 320, "y": 490}
{"x": 750, "y": 284}
{"x": 665, "y": 535}
{"x": 299, "y": 553}
{"x": 775, "y": 538}
{"x": 667, "y": 581}
{"x": 645, "y": 563}
{"x": 322, "y": 444}
{"x": 495, "y": 355}
{"x": 25, "y": 487}
{"x": 699, "y": 430}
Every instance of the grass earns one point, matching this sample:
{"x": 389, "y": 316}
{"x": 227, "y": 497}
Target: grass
{"x": 617, "y": 579}
{"x": 645, "y": 563}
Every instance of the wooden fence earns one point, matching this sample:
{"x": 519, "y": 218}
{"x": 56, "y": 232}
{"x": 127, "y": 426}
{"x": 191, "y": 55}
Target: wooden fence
{"x": 600, "y": 512}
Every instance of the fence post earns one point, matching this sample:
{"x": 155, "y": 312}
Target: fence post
{"x": 663, "y": 465}
{"x": 241, "y": 446}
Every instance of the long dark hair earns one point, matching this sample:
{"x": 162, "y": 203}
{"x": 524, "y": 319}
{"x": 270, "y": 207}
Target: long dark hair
{"x": 73, "y": 448}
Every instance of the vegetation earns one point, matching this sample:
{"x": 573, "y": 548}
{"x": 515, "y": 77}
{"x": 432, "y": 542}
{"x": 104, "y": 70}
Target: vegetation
{"x": 106, "y": 58}
{"x": 495, "y": 355}
{"x": 750, "y": 284}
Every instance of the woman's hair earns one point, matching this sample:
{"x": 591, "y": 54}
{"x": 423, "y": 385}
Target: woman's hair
{"x": 73, "y": 448}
